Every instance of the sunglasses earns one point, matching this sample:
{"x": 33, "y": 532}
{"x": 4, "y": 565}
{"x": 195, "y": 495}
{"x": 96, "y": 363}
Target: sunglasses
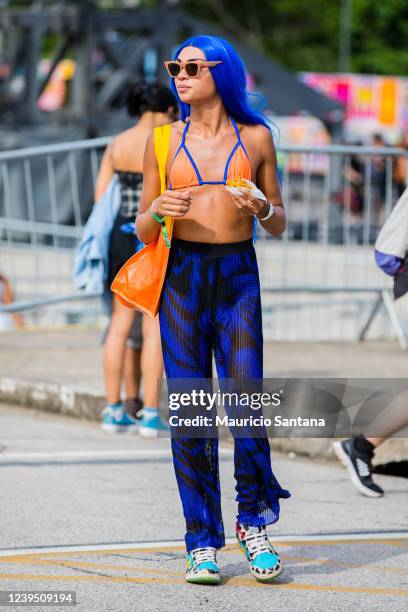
{"x": 192, "y": 67}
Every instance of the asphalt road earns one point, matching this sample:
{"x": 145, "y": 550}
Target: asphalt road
{"x": 100, "y": 515}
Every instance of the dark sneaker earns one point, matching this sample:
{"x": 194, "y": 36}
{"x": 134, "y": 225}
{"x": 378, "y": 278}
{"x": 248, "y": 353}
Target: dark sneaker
{"x": 134, "y": 407}
{"x": 358, "y": 464}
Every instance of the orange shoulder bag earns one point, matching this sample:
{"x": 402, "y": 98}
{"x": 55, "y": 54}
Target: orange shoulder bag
{"x": 139, "y": 282}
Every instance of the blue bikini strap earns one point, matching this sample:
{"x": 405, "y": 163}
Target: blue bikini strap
{"x": 239, "y": 136}
{"x": 254, "y": 225}
{"x": 229, "y": 160}
{"x": 236, "y": 128}
{"x": 183, "y": 138}
{"x": 183, "y": 144}
{"x": 237, "y": 144}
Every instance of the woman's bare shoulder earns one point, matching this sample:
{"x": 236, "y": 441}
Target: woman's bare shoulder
{"x": 124, "y": 136}
{"x": 256, "y": 132}
{"x": 120, "y": 143}
{"x": 178, "y": 126}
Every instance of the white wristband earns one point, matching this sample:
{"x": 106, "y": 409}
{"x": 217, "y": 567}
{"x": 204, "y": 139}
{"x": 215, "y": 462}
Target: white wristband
{"x": 269, "y": 215}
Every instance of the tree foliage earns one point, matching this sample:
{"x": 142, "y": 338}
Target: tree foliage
{"x": 305, "y": 34}
{"x": 302, "y": 34}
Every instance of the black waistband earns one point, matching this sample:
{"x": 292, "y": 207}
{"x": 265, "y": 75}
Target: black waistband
{"x": 210, "y": 248}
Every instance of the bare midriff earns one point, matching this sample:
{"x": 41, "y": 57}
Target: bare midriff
{"x": 213, "y": 217}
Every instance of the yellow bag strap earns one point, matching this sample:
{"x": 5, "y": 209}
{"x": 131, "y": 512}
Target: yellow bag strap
{"x": 161, "y": 149}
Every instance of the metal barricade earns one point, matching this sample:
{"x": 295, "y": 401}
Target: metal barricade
{"x": 335, "y": 197}
{"x": 46, "y": 194}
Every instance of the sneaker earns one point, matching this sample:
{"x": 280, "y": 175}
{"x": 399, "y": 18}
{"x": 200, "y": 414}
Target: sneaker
{"x": 264, "y": 562}
{"x": 358, "y": 464}
{"x": 201, "y": 566}
{"x": 151, "y": 423}
{"x": 116, "y": 420}
{"x": 134, "y": 407}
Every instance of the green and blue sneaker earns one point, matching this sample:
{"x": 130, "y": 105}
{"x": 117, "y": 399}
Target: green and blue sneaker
{"x": 116, "y": 420}
{"x": 264, "y": 562}
{"x": 151, "y": 423}
{"x": 201, "y": 566}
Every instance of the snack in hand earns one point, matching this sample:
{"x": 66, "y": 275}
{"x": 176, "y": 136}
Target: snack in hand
{"x": 236, "y": 184}
{"x": 239, "y": 182}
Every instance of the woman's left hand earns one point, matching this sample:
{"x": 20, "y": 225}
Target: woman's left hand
{"x": 247, "y": 202}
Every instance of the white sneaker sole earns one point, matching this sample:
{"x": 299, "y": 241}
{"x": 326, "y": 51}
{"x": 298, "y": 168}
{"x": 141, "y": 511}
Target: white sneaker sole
{"x": 204, "y": 579}
{"x": 111, "y": 428}
{"x": 346, "y": 461}
{"x": 148, "y": 432}
{"x": 268, "y": 578}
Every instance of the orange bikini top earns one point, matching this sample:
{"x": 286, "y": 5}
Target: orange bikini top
{"x": 184, "y": 172}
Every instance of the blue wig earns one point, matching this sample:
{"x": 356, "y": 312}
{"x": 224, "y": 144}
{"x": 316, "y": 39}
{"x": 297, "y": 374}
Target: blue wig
{"x": 229, "y": 78}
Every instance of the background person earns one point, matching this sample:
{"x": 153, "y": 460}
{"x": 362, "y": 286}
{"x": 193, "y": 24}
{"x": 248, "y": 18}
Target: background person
{"x": 356, "y": 453}
{"x": 154, "y": 104}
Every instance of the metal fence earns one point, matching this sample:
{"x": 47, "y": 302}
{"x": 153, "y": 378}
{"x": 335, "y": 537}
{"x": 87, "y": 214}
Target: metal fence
{"x": 336, "y": 198}
{"x": 45, "y": 198}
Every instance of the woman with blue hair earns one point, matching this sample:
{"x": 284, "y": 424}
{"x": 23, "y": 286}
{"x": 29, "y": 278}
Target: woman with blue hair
{"x": 210, "y": 302}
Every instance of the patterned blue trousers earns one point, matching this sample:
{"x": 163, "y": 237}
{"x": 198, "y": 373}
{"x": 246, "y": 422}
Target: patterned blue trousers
{"x": 211, "y": 303}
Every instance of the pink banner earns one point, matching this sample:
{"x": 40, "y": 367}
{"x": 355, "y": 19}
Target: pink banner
{"x": 381, "y": 103}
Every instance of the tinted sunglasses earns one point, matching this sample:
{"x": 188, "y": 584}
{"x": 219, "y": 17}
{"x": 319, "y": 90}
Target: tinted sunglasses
{"x": 192, "y": 67}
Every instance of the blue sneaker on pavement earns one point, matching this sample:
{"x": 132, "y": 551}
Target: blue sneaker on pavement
{"x": 202, "y": 567}
{"x": 264, "y": 562}
{"x": 116, "y": 419}
{"x": 151, "y": 423}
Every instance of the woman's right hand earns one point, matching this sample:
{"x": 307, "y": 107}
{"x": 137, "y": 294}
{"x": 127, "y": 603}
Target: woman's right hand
{"x": 172, "y": 203}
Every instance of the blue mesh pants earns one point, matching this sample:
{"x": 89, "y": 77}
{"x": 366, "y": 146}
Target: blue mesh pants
{"x": 211, "y": 302}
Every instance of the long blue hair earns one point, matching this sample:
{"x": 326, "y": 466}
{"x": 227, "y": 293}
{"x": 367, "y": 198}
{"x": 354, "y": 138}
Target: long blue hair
{"x": 229, "y": 78}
